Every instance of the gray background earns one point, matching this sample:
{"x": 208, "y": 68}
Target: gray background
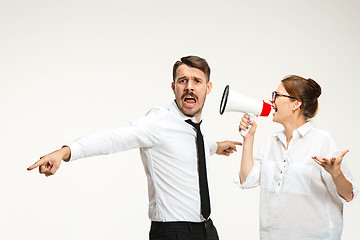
{"x": 68, "y": 68}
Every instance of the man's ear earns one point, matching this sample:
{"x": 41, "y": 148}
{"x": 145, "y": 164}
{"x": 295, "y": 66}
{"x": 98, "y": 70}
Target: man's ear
{"x": 173, "y": 86}
{"x": 208, "y": 88}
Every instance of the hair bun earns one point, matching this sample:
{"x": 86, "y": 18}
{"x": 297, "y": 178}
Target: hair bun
{"x": 315, "y": 87}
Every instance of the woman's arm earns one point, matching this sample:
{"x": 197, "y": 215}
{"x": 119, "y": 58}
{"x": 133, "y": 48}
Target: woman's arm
{"x": 333, "y": 166}
{"x": 247, "y": 160}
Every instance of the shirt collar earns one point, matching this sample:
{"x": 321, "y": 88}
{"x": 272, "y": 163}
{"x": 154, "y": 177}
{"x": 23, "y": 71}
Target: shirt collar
{"x": 300, "y": 132}
{"x": 176, "y": 111}
{"x": 304, "y": 129}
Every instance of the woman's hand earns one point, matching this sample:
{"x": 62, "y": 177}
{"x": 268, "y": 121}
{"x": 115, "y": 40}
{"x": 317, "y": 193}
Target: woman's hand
{"x": 332, "y": 165}
{"x": 245, "y": 123}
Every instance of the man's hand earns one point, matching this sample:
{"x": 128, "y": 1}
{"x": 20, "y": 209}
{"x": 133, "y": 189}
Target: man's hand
{"x": 227, "y": 147}
{"x": 50, "y": 163}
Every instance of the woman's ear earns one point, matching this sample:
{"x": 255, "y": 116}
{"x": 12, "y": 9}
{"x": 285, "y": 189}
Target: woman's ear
{"x": 297, "y": 105}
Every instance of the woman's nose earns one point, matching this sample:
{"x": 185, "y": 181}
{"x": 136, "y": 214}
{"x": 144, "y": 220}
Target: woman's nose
{"x": 272, "y": 103}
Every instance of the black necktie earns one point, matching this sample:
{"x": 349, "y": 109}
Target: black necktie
{"x": 203, "y": 183}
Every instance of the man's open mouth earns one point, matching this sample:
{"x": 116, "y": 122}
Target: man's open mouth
{"x": 190, "y": 100}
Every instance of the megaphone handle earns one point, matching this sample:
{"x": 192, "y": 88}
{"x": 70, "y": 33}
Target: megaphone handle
{"x": 244, "y": 132}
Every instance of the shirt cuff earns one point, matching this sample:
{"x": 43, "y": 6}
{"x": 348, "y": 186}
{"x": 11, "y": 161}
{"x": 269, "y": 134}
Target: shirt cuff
{"x": 212, "y": 147}
{"x": 333, "y": 190}
{"x": 75, "y": 150}
{"x": 355, "y": 193}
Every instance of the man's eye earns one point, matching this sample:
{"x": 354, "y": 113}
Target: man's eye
{"x": 182, "y": 81}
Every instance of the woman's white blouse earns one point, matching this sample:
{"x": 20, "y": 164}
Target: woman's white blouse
{"x": 298, "y": 197}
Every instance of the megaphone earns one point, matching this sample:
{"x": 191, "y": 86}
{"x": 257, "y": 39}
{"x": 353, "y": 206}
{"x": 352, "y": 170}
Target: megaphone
{"x": 234, "y": 102}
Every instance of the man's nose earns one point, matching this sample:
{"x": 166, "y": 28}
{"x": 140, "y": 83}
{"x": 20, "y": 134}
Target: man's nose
{"x": 189, "y": 85}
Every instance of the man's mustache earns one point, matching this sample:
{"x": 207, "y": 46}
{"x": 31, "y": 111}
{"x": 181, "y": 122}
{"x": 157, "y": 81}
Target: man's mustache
{"x": 189, "y": 94}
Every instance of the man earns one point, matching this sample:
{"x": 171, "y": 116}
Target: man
{"x": 173, "y": 152}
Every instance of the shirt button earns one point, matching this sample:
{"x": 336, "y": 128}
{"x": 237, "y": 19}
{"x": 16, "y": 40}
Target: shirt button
{"x": 280, "y": 172}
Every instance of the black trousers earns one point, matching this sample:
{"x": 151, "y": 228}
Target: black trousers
{"x": 183, "y": 231}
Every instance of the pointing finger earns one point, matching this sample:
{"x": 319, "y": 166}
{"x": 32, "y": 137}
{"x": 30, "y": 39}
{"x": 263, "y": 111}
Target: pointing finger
{"x": 36, "y": 164}
{"x": 236, "y": 143}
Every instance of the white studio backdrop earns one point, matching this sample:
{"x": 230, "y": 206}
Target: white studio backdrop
{"x": 68, "y": 68}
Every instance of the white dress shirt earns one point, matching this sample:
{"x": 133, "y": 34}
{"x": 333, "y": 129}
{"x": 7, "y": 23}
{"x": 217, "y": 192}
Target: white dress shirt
{"x": 298, "y": 198}
{"x": 169, "y": 154}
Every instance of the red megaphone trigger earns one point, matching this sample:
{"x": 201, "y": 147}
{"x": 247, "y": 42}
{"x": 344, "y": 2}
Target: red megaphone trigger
{"x": 266, "y": 109}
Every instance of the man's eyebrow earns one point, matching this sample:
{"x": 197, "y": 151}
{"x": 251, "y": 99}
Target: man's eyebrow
{"x": 181, "y": 78}
{"x": 185, "y": 77}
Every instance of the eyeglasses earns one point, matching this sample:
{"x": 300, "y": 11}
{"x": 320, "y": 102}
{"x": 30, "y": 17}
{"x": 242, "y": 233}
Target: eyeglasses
{"x": 275, "y": 94}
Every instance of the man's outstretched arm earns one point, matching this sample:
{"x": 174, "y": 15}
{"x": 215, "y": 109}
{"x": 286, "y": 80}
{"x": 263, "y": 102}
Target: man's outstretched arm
{"x": 144, "y": 132}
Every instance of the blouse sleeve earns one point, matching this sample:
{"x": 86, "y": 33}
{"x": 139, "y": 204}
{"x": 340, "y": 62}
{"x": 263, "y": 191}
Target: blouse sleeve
{"x": 333, "y": 150}
{"x": 253, "y": 179}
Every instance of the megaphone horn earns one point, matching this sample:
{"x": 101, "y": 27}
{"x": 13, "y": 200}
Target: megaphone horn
{"x": 234, "y": 102}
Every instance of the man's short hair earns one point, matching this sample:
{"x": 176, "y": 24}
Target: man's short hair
{"x": 195, "y": 62}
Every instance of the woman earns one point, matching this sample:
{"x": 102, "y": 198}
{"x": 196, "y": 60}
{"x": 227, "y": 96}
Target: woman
{"x": 304, "y": 180}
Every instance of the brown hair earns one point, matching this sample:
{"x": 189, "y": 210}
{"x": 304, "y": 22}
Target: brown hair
{"x": 195, "y": 62}
{"x": 305, "y": 90}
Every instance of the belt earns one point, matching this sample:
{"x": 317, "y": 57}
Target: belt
{"x": 181, "y": 225}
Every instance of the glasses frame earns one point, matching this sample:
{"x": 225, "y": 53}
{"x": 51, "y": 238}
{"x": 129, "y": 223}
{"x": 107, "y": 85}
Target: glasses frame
{"x": 275, "y": 94}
